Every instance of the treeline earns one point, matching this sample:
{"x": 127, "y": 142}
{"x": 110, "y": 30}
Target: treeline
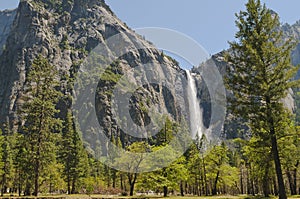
{"x": 234, "y": 167}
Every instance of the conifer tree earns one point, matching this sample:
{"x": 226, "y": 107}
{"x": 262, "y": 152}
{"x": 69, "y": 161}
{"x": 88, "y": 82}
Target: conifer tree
{"x": 40, "y": 123}
{"x": 72, "y": 155}
{"x": 7, "y": 161}
{"x": 2, "y": 171}
{"x": 259, "y": 76}
{"x": 8, "y": 144}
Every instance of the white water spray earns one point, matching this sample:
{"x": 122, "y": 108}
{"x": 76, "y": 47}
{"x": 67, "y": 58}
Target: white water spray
{"x": 196, "y": 120}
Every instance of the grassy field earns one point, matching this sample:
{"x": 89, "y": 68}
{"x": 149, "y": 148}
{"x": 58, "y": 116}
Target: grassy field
{"x": 81, "y": 196}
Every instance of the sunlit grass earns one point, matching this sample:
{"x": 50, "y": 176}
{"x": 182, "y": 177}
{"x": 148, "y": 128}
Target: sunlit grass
{"x": 95, "y": 196}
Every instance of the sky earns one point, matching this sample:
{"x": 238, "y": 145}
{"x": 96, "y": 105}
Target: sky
{"x": 209, "y": 22}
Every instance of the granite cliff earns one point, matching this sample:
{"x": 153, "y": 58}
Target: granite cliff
{"x": 66, "y": 32}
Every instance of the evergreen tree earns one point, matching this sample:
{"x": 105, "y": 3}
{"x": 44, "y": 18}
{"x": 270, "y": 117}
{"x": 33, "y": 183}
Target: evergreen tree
{"x": 259, "y": 76}
{"x": 2, "y": 166}
{"x": 8, "y": 145}
{"x": 7, "y": 160}
{"x": 22, "y": 165}
{"x": 166, "y": 133}
{"x": 72, "y": 155}
{"x": 38, "y": 111}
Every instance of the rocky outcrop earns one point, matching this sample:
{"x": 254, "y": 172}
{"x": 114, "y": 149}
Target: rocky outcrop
{"x": 6, "y": 20}
{"x": 66, "y": 32}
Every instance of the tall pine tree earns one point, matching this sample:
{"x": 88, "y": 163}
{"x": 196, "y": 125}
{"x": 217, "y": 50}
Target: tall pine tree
{"x": 72, "y": 155}
{"x": 260, "y": 76}
{"x": 40, "y": 123}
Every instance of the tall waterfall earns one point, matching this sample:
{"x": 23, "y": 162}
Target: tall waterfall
{"x": 196, "y": 120}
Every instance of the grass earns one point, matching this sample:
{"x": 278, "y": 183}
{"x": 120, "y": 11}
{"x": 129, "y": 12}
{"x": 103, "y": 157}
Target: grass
{"x": 93, "y": 196}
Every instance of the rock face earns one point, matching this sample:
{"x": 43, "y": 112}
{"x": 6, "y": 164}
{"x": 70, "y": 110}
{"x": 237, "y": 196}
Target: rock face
{"x": 65, "y": 32}
{"x": 6, "y": 20}
{"x": 293, "y": 31}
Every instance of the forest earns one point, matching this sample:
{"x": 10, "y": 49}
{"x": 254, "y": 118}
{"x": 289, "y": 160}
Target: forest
{"x": 48, "y": 156}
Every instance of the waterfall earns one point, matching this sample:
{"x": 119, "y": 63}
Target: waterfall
{"x": 196, "y": 122}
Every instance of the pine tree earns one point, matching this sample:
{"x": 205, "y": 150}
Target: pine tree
{"x": 7, "y": 160}
{"x": 2, "y": 171}
{"x": 259, "y": 76}
{"x": 40, "y": 124}
{"x": 8, "y": 145}
{"x": 72, "y": 155}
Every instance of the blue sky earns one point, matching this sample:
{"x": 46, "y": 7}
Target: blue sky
{"x": 209, "y": 22}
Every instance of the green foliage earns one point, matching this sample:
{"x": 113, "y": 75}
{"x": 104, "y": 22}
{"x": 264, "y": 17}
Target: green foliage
{"x": 259, "y": 77}
{"x": 38, "y": 143}
{"x": 110, "y": 75}
{"x": 64, "y": 45}
{"x": 166, "y": 134}
{"x": 2, "y": 151}
{"x": 166, "y": 178}
{"x": 88, "y": 185}
{"x": 134, "y": 158}
{"x": 260, "y": 70}
{"x": 132, "y": 161}
{"x": 72, "y": 155}
{"x": 8, "y": 142}
{"x": 218, "y": 169}
{"x": 297, "y": 111}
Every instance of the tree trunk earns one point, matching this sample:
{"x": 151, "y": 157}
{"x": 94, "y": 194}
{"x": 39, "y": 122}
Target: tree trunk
{"x": 121, "y": 182}
{"x": 3, "y": 182}
{"x": 275, "y": 186}
{"x": 204, "y": 174}
{"x": 248, "y": 181}
{"x": 108, "y": 176}
{"x": 114, "y": 178}
{"x": 50, "y": 188}
{"x": 214, "y": 190}
{"x": 132, "y": 182}
{"x": 19, "y": 184}
{"x": 252, "y": 186}
{"x": 291, "y": 183}
{"x": 37, "y": 173}
{"x": 281, "y": 187}
{"x": 131, "y": 189}
{"x": 295, "y": 177}
{"x": 181, "y": 189}
{"x": 73, "y": 190}
{"x": 27, "y": 191}
{"x": 241, "y": 180}
{"x": 266, "y": 188}
{"x": 165, "y": 191}
{"x": 69, "y": 184}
